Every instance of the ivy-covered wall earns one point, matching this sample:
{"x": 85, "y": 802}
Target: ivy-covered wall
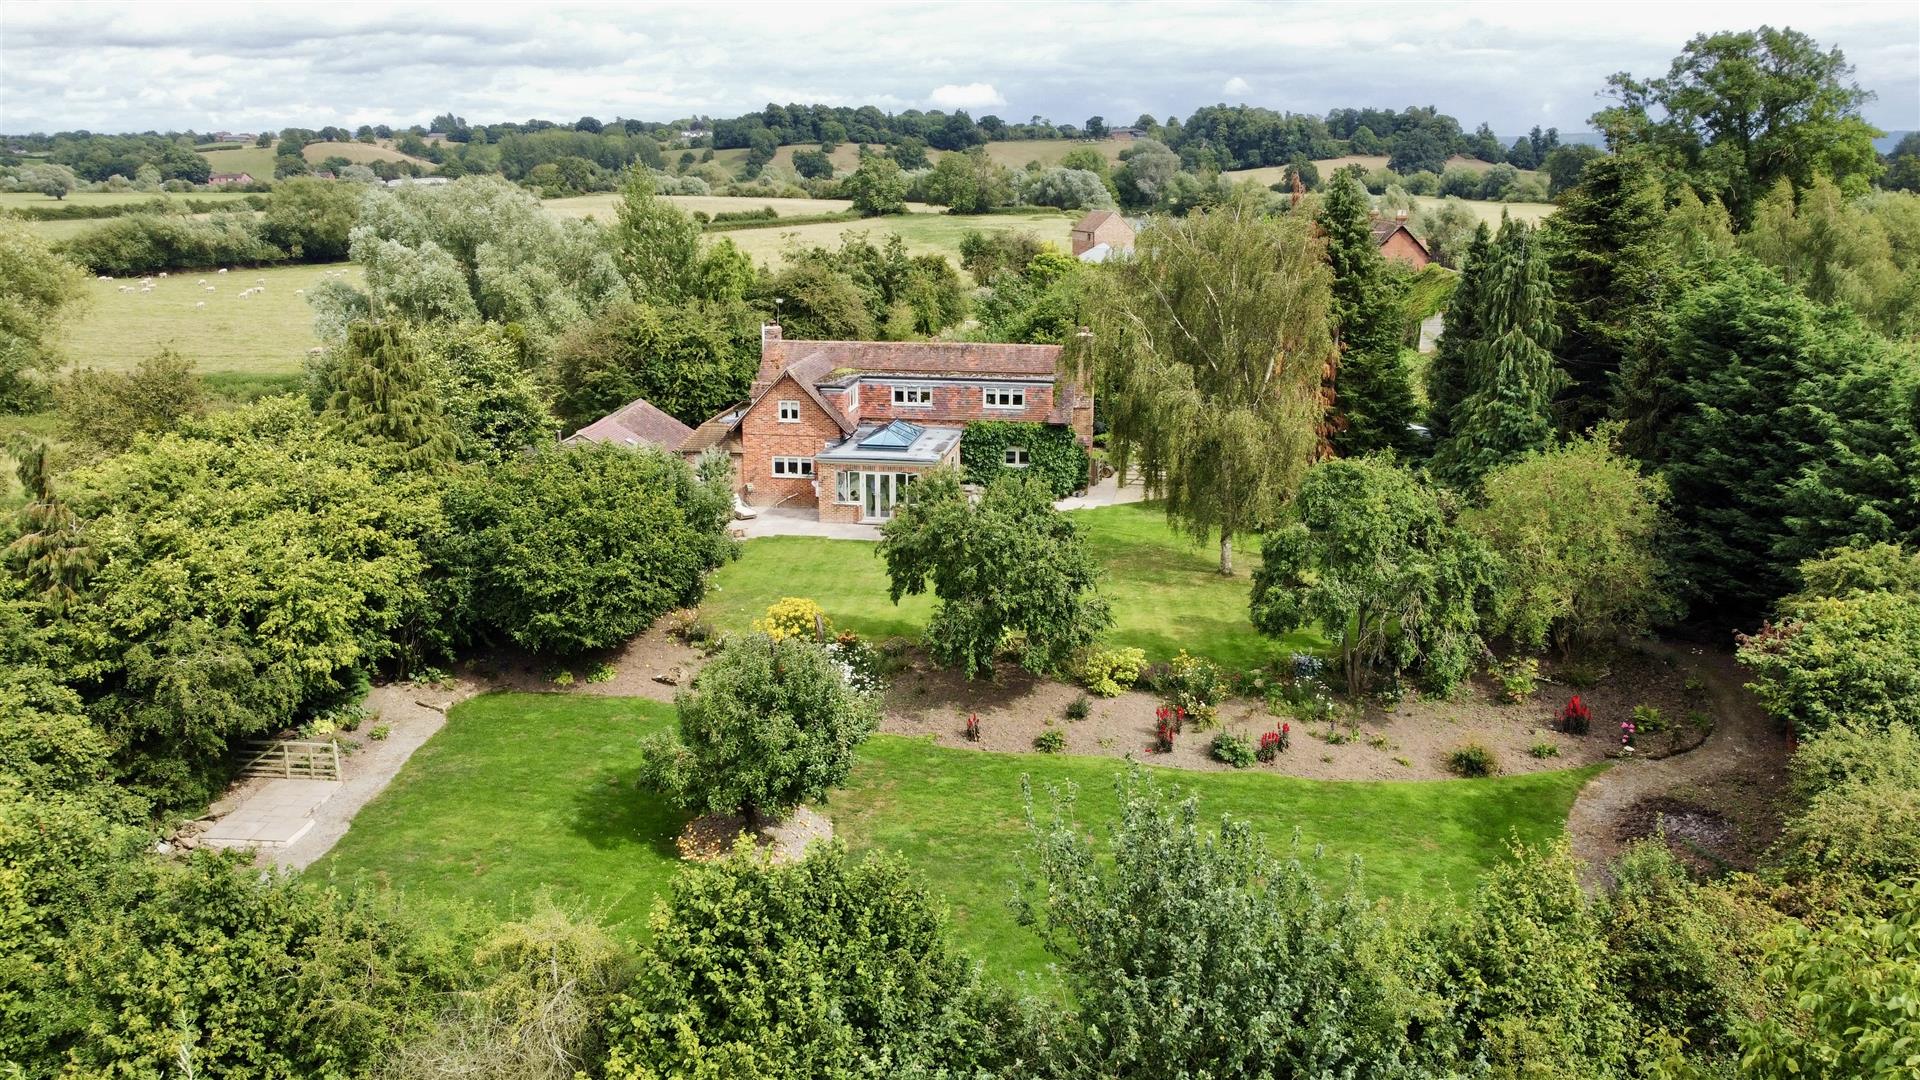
{"x": 1052, "y": 452}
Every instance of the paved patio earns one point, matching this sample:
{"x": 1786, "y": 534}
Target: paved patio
{"x": 275, "y": 815}
{"x": 804, "y": 521}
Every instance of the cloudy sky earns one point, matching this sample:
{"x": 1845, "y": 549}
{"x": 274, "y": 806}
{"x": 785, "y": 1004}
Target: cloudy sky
{"x": 207, "y": 66}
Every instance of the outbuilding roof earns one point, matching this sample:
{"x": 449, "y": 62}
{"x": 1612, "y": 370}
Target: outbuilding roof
{"x": 636, "y": 423}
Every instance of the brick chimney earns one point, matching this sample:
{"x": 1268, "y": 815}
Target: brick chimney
{"x": 1399, "y": 215}
{"x": 773, "y": 357}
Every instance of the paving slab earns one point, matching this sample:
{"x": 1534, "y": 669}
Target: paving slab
{"x": 276, "y": 815}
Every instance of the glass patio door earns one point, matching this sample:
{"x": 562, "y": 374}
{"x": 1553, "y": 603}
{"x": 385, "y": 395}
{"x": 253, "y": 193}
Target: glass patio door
{"x": 880, "y": 492}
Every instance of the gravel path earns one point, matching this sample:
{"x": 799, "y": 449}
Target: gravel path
{"x": 412, "y": 714}
{"x": 1717, "y": 802}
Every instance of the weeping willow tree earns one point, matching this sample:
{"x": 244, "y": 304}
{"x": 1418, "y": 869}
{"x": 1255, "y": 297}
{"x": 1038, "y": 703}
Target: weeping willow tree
{"x": 1207, "y": 351}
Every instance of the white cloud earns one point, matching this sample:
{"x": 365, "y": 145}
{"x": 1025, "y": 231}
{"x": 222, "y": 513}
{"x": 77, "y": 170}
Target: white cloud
{"x": 177, "y": 64}
{"x": 975, "y": 95}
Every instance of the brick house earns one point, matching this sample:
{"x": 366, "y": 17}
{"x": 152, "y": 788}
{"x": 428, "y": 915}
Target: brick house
{"x": 1396, "y": 241}
{"x": 1102, "y": 227}
{"x": 229, "y": 179}
{"x": 843, "y": 427}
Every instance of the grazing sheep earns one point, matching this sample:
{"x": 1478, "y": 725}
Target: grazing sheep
{"x": 222, "y": 270}
{"x": 105, "y": 277}
{"x": 201, "y": 303}
{"x": 299, "y": 292}
{"x": 163, "y": 273}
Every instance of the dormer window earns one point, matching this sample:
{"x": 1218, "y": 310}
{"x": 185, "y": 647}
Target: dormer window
{"x": 789, "y": 412}
{"x": 913, "y": 396}
{"x": 1005, "y": 398}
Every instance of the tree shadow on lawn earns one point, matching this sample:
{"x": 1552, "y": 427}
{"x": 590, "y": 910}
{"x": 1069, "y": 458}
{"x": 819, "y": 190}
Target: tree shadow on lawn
{"x": 614, "y": 812}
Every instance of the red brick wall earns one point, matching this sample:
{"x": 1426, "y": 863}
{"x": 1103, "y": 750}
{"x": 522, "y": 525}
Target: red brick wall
{"x": 951, "y": 404}
{"x": 1406, "y": 249}
{"x": 763, "y": 437}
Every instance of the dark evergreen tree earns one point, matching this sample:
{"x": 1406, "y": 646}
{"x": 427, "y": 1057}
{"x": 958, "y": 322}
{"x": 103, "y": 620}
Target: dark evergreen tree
{"x": 387, "y": 400}
{"x": 1447, "y": 373}
{"x": 1791, "y": 432}
{"x": 1373, "y": 390}
{"x": 1511, "y": 374}
{"x": 1611, "y": 263}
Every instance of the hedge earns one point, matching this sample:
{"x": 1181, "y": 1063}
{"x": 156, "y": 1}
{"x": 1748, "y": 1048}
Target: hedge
{"x": 159, "y": 204}
{"x": 1052, "y": 451}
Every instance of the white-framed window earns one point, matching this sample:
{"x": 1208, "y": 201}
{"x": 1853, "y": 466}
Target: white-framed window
{"x": 792, "y": 466}
{"x": 789, "y": 412}
{"x": 1016, "y": 457}
{"x": 846, "y": 486}
{"x": 1004, "y": 398}
{"x": 916, "y": 396}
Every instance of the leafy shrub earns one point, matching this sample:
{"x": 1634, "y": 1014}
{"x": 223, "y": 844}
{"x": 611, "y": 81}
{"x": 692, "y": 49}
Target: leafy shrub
{"x": 1079, "y": 707}
{"x": 1193, "y": 685}
{"x": 140, "y": 243}
{"x": 1050, "y": 741}
{"x": 1852, "y": 659}
{"x": 1582, "y": 675}
{"x": 1232, "y": 749}
{"x": 1648, "y": 720}
{"x": 583, "y": 547}
{"x": 1271, "y": 976}
{"x": 1517, "y": 678}
{"x": 601, "y": 672}
{"x": 1544, "y": 749}
{"x": 1472, "y": 759}
{"x": 765, "y": 726}
{"x": 862, "y": 663}
{"x": 794, "y": 616}
{"x": 1107, "y": 672}
{"x": 380, "y": 732}
{"x": 744, "y": 977}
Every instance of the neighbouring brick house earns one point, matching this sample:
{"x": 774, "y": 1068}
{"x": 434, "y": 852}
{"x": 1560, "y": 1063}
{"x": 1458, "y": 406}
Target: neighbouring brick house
{"x": 229, "y": 179}
{"x": 1396, "y": 241}
{"x": 1102, "y": 227}
{"x": 843, "y": 427}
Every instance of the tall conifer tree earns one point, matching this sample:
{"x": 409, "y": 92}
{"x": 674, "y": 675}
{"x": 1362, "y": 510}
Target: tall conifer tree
{"x": 1511, "y": 374}
{"x": 1373, "y": 391}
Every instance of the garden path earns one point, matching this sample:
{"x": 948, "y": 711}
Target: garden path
{"x": 1718, "y": 803}
{"x": 411, "y": 714}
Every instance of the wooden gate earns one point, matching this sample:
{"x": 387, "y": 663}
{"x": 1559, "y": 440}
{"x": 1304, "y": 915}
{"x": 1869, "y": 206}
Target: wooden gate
{"x": 292, "y": 759}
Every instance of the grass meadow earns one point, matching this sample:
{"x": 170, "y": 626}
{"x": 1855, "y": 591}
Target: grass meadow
{"x": 563, "y": 814}
{"x": 924, "y": 233}
{"x": 1166, "y": 591}
{"x": 255, "y": 161}
{"x": 261, "y": 335}
{"x": 1013, "y": 153}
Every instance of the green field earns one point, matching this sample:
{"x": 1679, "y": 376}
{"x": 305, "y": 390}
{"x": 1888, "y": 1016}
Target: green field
{"x": 521, "y": 793}
{"x": 357, "y": 152}
{"x": 924, "y": 233}
{"x": 265, "y": 334}
{"x": 1531, "y": 212}
{"x": 10, "y": 200}
{"x": 602, "y": 206}
{"x": 1166, "y": 591}
{"x": 255, "y": 161}
{"x": 1272, "y": 174}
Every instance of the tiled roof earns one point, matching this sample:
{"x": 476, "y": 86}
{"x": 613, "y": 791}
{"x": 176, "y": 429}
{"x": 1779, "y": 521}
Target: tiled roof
{"x": 715, "y": 430}
{"x": 847, "y": 358}
{"x": 635, "y": 423}
{"x": 807, "y": 373}
{"x": 1094, "y": 219}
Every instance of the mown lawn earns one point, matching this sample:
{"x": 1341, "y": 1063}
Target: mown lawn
{"x": 1166, "y": 591}
{"x": 525, "y": 792}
